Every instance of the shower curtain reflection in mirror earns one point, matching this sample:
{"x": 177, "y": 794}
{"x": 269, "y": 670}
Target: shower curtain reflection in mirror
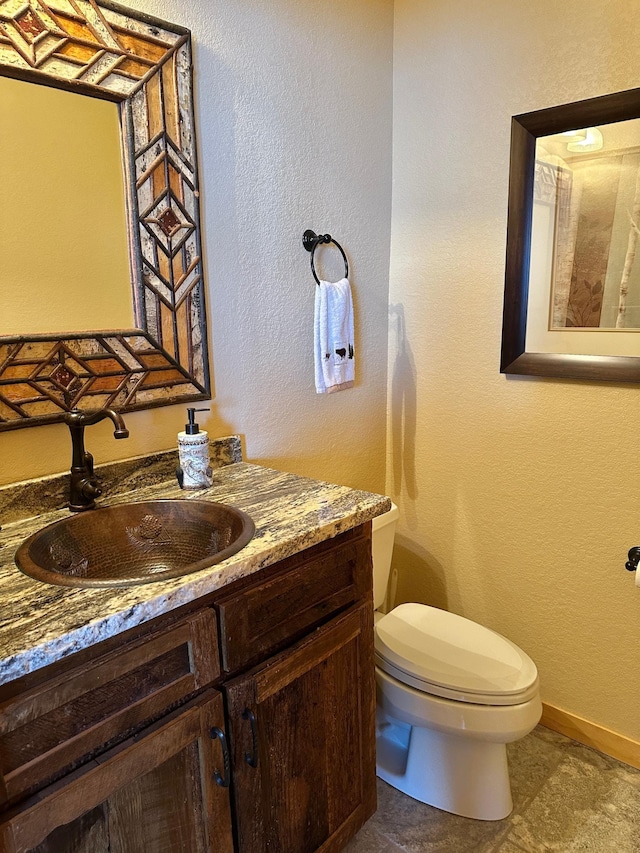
{"x": 586, "y": 223}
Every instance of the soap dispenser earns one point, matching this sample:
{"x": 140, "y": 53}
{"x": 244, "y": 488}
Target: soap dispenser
{"x": 194, "y": 471}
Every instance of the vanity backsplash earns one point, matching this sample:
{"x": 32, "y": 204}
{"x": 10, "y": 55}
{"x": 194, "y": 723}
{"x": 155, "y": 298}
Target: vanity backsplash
{"x": 45, "y": 494}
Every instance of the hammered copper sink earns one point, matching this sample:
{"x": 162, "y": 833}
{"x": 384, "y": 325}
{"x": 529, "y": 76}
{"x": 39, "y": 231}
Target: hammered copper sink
{"x": 135, "y": 543}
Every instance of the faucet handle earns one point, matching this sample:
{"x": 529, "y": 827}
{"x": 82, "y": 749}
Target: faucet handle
{"x": 90, "y": 489}
{"x": 88, "y": 462}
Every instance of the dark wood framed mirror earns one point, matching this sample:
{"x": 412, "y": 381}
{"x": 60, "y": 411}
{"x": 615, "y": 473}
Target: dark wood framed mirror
{"x": 103, "y": 50}
{"x": 572, "y": 282}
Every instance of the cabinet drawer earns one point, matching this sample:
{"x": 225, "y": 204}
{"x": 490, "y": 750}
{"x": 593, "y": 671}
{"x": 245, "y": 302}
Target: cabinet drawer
{"x": 53, "y": 727}
{"x": 267, "y": 617}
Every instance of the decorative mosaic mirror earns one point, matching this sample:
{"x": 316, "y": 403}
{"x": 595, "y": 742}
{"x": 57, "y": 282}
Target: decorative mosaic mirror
{"x": 105, "y": 51}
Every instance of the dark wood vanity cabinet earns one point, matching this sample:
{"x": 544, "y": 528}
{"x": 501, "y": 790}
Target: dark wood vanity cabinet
{"x": 258, "y": 704}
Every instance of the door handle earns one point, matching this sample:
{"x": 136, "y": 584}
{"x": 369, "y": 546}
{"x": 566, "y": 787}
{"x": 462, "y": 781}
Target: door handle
{"x": 221, "y": 780}
{"x": 251, "y": 757}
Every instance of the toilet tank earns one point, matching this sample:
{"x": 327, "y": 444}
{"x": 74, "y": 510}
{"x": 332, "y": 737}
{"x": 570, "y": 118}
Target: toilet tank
{"x": 383, "y": 531}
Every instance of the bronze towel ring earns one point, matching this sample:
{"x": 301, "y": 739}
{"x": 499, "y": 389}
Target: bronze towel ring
{"x": 311, "y": 240}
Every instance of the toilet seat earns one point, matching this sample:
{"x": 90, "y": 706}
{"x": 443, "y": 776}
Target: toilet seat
{"x": 446, "y": 655}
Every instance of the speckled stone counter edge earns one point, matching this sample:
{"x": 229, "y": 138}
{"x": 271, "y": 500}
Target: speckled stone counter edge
{"x": 33, "y": 497}
{"x": 40, "y": 623}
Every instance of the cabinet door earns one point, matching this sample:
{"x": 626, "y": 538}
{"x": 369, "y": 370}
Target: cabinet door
{"x": 156, "y": 792}
{"x": 302, "y": 732}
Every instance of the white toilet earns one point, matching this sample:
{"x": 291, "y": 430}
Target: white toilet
{"x": 450, "y": 695}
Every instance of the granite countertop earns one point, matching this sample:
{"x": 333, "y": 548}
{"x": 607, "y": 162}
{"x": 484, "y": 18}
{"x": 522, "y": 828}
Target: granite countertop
{"x": 41, "y": 623}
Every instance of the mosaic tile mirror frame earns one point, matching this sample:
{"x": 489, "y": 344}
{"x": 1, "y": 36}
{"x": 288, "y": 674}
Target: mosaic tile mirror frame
{"x": 108, "y": 51}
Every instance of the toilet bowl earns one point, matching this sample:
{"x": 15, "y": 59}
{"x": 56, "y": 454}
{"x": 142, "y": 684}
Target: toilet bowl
{"x": 450, "y": 695}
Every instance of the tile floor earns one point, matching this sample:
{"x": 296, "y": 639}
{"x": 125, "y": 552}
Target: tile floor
{"x": 567, "y": 799}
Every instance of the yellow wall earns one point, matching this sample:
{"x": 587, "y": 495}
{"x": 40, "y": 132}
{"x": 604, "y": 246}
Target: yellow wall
{"x": 518, "y": 496}
{"x": 65, "y": 261}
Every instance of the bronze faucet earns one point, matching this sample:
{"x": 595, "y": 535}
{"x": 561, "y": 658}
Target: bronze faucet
{"x": 84, "y": 487}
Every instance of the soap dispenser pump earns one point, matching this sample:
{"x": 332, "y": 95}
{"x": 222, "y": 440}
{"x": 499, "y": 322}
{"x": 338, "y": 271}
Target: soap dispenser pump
{"x": 194, "y": 471}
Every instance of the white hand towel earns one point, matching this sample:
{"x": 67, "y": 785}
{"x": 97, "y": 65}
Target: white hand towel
{"x": 333, "y": 337}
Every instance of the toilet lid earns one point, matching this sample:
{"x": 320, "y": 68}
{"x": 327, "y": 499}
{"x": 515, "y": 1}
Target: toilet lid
{"x": 442, "y": 653}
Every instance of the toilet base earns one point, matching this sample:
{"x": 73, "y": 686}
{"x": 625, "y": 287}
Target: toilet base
{"x": 456, "y": 774}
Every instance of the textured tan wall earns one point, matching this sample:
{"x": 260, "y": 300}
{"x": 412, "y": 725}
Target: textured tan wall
{"x": 293, "y": 109}
{"x": 518, "y": 496}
